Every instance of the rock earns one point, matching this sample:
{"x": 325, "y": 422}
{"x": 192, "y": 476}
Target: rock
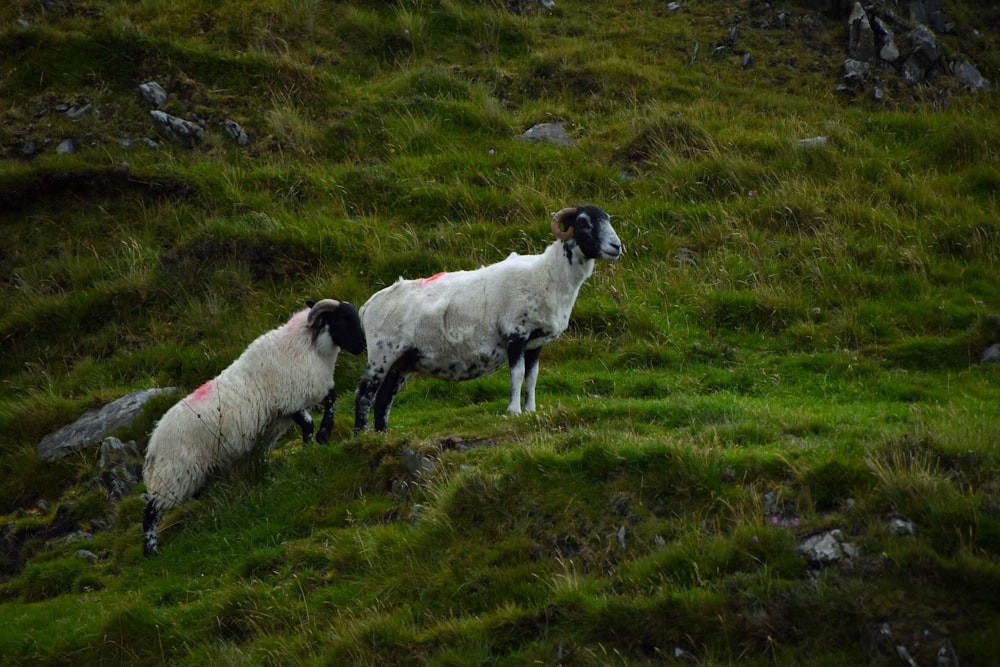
{"x": 969, "y": 76}
{"x": 177, "y": 130}
{"x": 416, "y": 463}
{"x": 76, "y": 110}
{"x": 924, "y": 46}
{"x": 856, "y": 71}
{"x": 826, "y": 548}
{"x": 235, "y": 132}
{"x": 861, "y": 40}
{"x": 991, "y": 355}
{"x": 121, "y": 468}
{"x": 78, "y": 536}
{"x": 900, "y": 527}
{"x": 888, "y": 51}
{"x": 913, "y": 71}
{"x": 86, "y": 555}
{"x": 927, "y": 12}
{"x": 946, "y": 655}
{"x": 811, "y": 142}
{"x": 917, "y": 13}
{"x": 113, "y": 453}
{"x": 905, "y": 656}
{"x": 153, "y": 93}
{"x": 95, "y": 425}
{"x": 935, "y": 15}
{"x": 554, "y": 133}
{"x": 67, "y": 147}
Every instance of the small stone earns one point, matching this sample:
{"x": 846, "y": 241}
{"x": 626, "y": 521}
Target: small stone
{"x": 76, "y": 111}
{"x": 899, "y": 527}
{"x": 811, "y": 142}
{"x": 177, "y": 130}
{"x": 87, "y": 555}
{"x": 153, "y": 93}
{"x": 67, "y": 147}
{"x": 991, "y": 355}
{"x": 856, "y": 71}
{"x": 235, "y": 132}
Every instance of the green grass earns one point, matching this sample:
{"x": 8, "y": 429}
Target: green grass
{"x": 790, "y": 344}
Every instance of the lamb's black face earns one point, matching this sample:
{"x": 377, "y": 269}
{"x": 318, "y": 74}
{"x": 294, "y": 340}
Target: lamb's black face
{"x": 594, "y": 235}
{"x": 344, "y": 326}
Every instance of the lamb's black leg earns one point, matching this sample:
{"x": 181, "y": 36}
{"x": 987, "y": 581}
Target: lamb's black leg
{"x": 304, "y": 420}
{"x": 150, "y": 530}
{"x": 326, "y": 423}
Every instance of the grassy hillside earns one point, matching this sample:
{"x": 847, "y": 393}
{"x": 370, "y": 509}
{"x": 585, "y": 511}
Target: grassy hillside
{"x": 790, "y": 345}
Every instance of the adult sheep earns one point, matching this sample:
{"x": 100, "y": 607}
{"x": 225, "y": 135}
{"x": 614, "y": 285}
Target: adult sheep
{"x": 464, "y": 324}
{"x": 251, "y": 404}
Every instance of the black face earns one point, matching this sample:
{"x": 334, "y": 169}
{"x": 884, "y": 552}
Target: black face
{"x": 588, "y": 226}
{"x": 344, "y": 326}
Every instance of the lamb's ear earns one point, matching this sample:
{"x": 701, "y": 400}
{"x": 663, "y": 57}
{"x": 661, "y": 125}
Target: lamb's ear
{"x": 557, "y": 223}
{"x": 310, "y": 304}
{"x": 324, "y": 306}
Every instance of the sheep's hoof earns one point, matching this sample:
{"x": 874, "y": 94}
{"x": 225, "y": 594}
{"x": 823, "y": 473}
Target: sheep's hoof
{"x": 323, "y": 437}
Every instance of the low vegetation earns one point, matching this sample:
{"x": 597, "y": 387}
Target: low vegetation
{"x": 790, "y": 346}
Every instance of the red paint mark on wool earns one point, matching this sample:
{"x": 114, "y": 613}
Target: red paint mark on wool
{"x": 424, "y": 281}
{"x": 201, "y": 392}
{"x": 297, "y": 320}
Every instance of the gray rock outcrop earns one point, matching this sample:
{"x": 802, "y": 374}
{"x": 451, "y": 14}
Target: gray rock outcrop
{"x": 861, "y": 38}
{"x": 95, "y": 425}
{"x": 554, "y": 133}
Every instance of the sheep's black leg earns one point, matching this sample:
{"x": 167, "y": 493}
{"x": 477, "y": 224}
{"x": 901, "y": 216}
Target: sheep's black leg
{"x": 363, "y": 398}
{"x": 516, "y": 358}
{"x": 304, "y": 421}
{"x": 530, "y": 377}
{"x": 326, "y": 423}
{"x": 383, "y": 399}
{"x": 150, "y": 530}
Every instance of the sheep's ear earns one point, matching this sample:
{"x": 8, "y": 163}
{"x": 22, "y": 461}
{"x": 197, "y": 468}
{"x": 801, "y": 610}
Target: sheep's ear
{"x": 310, "y": 304}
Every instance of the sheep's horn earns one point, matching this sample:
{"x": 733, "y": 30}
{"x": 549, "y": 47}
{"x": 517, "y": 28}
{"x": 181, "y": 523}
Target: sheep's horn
{"x": 319, "y": 308}
{"x": 557, "y": 219}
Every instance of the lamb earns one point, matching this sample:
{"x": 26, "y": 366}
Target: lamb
{"x": 251, "y": 404}
{"x": 464, "y": 324}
